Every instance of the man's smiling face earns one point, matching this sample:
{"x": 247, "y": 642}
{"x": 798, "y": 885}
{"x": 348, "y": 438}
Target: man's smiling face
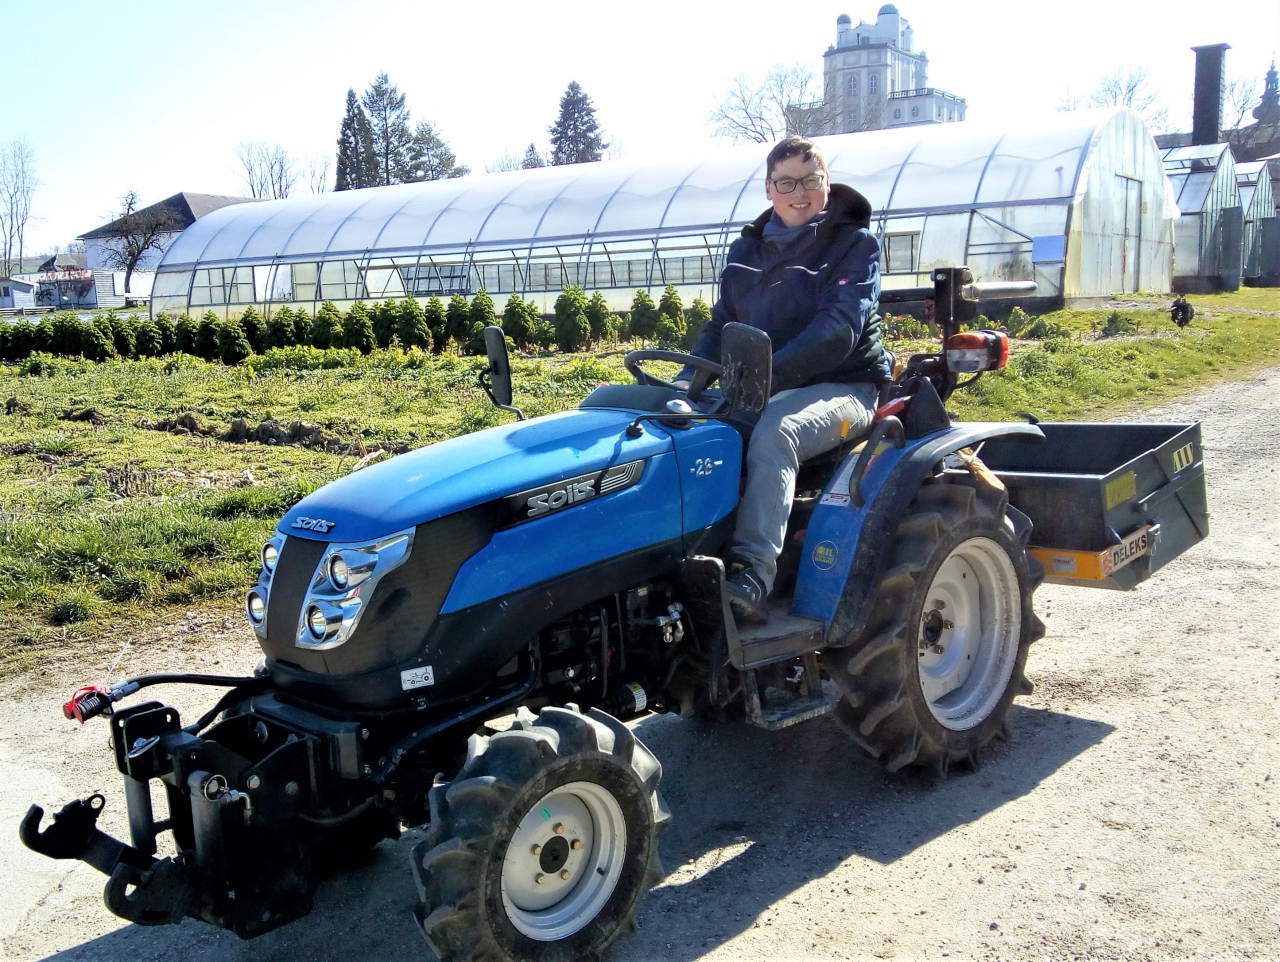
{"x": 800, "y": 205}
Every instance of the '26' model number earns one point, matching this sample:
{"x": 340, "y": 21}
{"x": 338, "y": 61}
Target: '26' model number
{"x": 704, "y": 466}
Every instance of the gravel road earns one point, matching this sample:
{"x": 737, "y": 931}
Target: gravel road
{"x": 1132, "y": 814}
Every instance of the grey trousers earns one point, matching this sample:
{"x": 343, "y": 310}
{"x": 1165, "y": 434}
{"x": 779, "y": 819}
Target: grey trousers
{"x": 796, "y": 425}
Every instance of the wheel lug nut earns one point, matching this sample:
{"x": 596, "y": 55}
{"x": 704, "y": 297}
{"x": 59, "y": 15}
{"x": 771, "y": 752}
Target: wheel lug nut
{"x": 559, "y": 828}
{"x": 576, "y": 844}
{"x": 539, "y": 878}
{"x": 537, "y": 850}
{"x": 939, "y": 605}
{"x": 938, "y": 649}
{"x": 565, "y": 875}
{"x": 948, "y": 624}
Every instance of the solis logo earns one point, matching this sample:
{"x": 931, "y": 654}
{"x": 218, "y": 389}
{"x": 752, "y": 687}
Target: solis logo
{"x": 825, "y": 554}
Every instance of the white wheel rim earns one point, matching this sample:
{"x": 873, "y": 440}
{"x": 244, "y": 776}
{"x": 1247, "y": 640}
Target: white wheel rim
{"x": 540, "y": 902}
{"x": 969, "y": 632}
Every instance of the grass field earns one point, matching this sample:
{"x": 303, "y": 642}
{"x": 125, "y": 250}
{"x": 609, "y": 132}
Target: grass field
{"x": 109, "y": 525}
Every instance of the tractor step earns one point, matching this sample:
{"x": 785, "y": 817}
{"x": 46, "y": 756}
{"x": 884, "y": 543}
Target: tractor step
{"x": 785, "y": 636}
{"x": 772, "y": 702}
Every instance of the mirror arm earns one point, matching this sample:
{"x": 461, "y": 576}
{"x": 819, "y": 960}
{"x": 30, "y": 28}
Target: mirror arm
{"x": 484, "y": 383}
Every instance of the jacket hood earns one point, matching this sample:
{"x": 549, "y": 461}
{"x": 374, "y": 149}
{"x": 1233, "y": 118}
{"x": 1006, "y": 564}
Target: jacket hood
{"x": 845, "y": 207}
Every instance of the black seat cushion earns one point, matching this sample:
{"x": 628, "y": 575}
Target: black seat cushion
{"x": 632, "y": 397}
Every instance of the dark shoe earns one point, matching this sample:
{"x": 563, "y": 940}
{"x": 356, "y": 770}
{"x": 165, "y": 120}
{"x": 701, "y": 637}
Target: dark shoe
{"x": 746, "y": 595}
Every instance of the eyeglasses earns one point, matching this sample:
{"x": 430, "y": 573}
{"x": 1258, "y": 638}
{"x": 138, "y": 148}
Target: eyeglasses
{"x": 785, "y": 185}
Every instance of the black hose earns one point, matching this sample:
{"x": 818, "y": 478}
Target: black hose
{"x": 253, "y": 687}
{"x": 146, "y": 681}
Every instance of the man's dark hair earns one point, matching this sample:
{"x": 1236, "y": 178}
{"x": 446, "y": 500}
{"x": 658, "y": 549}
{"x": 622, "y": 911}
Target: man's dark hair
{"x": 806, "y": 150}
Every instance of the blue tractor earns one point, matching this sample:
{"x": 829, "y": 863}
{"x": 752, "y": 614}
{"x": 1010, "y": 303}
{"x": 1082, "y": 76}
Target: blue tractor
{"x": 565, "y": 573}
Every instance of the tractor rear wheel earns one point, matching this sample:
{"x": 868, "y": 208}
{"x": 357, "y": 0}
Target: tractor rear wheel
{"x": 544, "y": 844}
{"x": 931, "y": 680}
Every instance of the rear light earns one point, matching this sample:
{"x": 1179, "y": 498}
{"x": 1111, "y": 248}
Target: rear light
{"x": 975, "y": 351}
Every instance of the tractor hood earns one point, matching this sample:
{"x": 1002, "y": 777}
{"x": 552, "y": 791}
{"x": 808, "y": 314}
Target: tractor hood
{"x": 460, "y": 473}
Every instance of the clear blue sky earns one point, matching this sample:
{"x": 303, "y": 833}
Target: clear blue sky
{"x": 156, "y": 96}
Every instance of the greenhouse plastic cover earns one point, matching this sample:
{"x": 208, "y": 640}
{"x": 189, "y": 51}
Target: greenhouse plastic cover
{"x": 918, "y": 169}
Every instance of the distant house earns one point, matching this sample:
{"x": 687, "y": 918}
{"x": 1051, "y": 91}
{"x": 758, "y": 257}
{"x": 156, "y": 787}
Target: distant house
{"x": 174, "y": 214}
{"x": 16, "y": 293}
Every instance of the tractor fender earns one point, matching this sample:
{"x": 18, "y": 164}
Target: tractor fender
{"x": 846, "y": 547}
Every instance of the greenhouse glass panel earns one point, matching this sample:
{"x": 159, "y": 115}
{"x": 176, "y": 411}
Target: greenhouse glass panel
{"x": 575, "y": 210}
{"x": 709, "y": 194}
{"x": 414, "y": 209}
{"x": 939, "y": 174}
{"x": 869, "y": 163}
{"x": 239, "y": 282}
{"x": 383, "y": 280}
{"x": 487, "y": 210}
{"x": 340, "y": 281}
{"x": 1032, "y": 165}
{"x": 942, "y": 240}
{"x": 276, "y": 222}
{"x": 639, "y": 199}
{"x": 304, "y": 281}
{"x": 207, "y": 288}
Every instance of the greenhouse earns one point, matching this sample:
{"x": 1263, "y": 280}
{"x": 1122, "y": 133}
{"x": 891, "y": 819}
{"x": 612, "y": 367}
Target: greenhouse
{"x": 1209, "y": 232}
{"x": 1077, "y": 202}
{"x": 1256, "y": 201}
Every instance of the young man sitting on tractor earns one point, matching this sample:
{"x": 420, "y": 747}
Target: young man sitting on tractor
{"x": 807, "y": 273}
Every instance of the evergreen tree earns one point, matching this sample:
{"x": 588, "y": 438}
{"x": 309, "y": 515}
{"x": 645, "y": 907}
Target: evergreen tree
{"x": 575, "y": 136}
{"x": 430, "y": 157}
{"x": 670, "y": 331}
{"x": 255, "y": 329}
{"x": 670, "y": 304}
{"x": 301, "y": 327}
{"x": 411, "y": 325}
{"x": 64, "y": 333}
{"x": 206, "y": 341}
{"x": 184, "y": 334}
{"x": 386, "y": 323}
{"x": 573, "y": 330}
{"x": 515, "y": 321}
{"x": 95, "y": 343}
{"x": 644, "y": 316}
{"x": 457, "y": 320}
{"x": 392, "y": 136}
{"x": 433, "y": 313}
{"x": 233, "y": 346}
{"x": 123, "y": 335}
{"x": 542, "y": 334}
{"x": 598, "y": 316}
{"x": 4, "y": 343}
{"x": 326, "y": 331}
{"x": 357, "y": 165}
{"x": 168, "y": 336}
{"x": 150, "y": 342}
{"x": 357, "y": 329}
{"x": 280, "y": 329}
{"x": 532, "y": 158}
{"x": 22, "y": 340}
{"x": 696, "y": 318}
{"x": 482, "y": 311}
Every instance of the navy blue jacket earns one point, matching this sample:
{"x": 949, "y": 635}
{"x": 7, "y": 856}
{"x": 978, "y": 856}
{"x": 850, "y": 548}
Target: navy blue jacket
{"x": 816, "y": 298}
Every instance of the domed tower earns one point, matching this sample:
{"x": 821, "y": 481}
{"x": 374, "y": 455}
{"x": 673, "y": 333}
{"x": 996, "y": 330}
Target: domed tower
{"x": 1268, "y": 112}
{"x": 844, "y": 26}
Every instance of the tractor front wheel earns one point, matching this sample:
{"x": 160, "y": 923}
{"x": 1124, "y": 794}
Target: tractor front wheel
{"x": 544, "y": 844}
{"x": 931, "y": 680}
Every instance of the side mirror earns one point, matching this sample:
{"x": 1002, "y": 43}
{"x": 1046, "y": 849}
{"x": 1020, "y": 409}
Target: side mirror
{"x": 496, "y": 378}
{"x": 746, "y": 355}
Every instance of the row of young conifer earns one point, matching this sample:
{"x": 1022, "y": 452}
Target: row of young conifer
{"x": 578, "y": 322}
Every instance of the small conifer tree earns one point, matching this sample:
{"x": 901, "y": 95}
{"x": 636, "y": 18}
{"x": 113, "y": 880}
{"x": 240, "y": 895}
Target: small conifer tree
{"x": 411, "y": 325}
{"x": 326, "y": 331}
{"x": 301, "y": 327}
{"x": 644, "y": 316}
{"x": 357, "y": 329}
{"x": 255, "y": 329}
{"x": 670, "y": 305}
{"x": 386, "y": 322}
{"x": 233, "y": 346}
{"x": 149, "y": 342}
{"x": 168, "y": 336}
{"x": 434, "y": 314}
{"x": 96, "y": 344}
{"x": 280, "y": 329}
{"x": 482, "y": 310}
{"x": 457, "y": 323}
{"x": 184, "y": 334}
{"x": 695, "y": 319}
{"x": 573, "y": 330}
{"x": 515, "y": 321}
{"x": 599, "y": 316}
{"x": 123, "y": 335}
{"x": 206, "y": 345}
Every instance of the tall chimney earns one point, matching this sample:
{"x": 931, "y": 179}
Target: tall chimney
{"x": 1206, "y": 114}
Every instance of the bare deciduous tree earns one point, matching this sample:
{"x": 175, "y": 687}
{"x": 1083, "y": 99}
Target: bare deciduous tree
{"x": 318, "y": 175}
{"x": 1130, "y": 87}
{"x": 1239, "y": 96}
{"x": 267, "y": 169}
{"x": 508, "y": 161}
{"x": 766, "y": 111}
{"x": 17, "y": 188}
{"x": 136, "y": 231}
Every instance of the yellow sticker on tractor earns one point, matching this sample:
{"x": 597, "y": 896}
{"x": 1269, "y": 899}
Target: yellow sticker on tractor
{"x": 1121, "y": 489}
{"x": 1184, "y": 457}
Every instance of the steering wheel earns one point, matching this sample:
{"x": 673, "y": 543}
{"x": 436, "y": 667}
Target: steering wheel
{"x": 704, "y": 371}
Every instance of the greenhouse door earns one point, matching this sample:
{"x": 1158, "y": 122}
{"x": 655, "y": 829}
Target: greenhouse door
{"x": 1131, "y": 244}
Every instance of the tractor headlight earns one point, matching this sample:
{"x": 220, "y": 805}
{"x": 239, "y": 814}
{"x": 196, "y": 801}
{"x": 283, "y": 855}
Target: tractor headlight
{"x": 344, "y": 579}
{"x": 339, "y": 572}
{"x": 255, "y": 606}
{"x": 270, "y": 555}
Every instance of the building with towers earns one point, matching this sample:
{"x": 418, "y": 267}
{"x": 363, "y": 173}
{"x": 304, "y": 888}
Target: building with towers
{"x": 873, "y": 78}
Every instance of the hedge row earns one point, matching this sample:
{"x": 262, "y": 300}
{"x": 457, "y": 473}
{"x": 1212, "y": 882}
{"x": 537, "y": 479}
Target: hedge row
{"x": 431, "y": 326}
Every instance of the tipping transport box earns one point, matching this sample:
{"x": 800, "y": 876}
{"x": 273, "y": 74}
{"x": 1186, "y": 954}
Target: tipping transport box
{"x": 1111, "y": 503}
